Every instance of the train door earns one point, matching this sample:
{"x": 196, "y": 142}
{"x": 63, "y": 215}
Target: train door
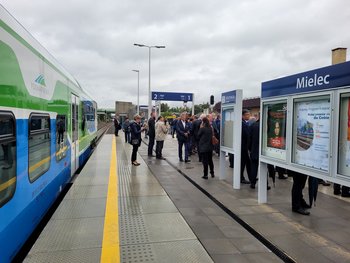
{"x": 75, "y": 133}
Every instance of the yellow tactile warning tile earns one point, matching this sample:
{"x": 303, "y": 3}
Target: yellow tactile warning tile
{"x": 110, "y": 244}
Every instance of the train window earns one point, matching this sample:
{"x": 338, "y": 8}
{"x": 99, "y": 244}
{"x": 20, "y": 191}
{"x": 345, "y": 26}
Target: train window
{"x": 39, "y": 145}
{"x": 7, "y": 156}
{"x": 61, "y": 137}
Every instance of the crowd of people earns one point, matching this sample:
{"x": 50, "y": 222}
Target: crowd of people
{"x": 200, "y": 135}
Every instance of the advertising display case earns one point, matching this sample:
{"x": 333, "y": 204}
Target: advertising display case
{"x": 231, "y": 133}
{"x": 227, "y": 128}
{"x": 311, "y": 132}
{"x": 274, "y": 127}
{"x": 305, "y": 125}
{"x": 343, "y": 165}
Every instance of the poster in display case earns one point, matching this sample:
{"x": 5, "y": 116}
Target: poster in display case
{"x": 344, "y": 135}
{"x": 227, "y": 129}
{"x": 274, "y": 136}
{"x": 311, "y": 132}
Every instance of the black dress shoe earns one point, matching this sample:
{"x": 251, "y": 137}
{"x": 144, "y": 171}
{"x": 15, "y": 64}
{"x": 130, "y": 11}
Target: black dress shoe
{"x": 181, "y": 160}
{"x": 187, "y": 161}
{"x": 345, "y": 194}
{"x": 301, "y": 211}
{"x": 252, "y": 186}
{"x": 324, "y": 183}
{"x": 151, "y": 155}
{"x": 244, "y": 181}
{"x": 304, "y": 204}
{"x": 212, "y": 175}
{"x": 268, "y": 187}
{"x": 205, "y": 177}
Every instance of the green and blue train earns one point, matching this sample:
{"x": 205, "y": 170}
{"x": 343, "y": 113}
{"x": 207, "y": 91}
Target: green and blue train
{"x": 48, "y": 126}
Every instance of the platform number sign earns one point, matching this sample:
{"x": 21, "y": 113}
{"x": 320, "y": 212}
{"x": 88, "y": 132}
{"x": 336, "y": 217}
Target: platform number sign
{"x": 172, "y": 96}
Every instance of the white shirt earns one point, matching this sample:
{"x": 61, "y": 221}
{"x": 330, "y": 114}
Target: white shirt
{"x": 184, "y": 124}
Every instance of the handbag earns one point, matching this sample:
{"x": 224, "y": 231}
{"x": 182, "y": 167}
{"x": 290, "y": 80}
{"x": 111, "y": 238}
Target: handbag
{"x": 214, "y": 140}
{"x": 135, "y": 141}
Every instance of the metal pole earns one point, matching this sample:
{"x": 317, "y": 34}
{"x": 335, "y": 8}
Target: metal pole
{"x": 138, "y": 92}
{"x": 192, "y": 104}
{"x": 149, "y": 83}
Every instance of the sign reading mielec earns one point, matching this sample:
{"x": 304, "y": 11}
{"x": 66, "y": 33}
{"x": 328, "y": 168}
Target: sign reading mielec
{"x": 311, "y": 81}
{"x": 305, "y": 82}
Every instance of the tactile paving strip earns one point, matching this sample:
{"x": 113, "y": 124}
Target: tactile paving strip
{"x": 132, "y": 230}
{"x": 189, "y": 251}
{"x": 146, "y": 205}
{"x": 137, "y": 253}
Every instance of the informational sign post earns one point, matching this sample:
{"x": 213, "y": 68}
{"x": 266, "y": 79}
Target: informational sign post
{"x": 306, "y": 125}
{"x": 231, "y": 133}
{"x": 173, "y": 96}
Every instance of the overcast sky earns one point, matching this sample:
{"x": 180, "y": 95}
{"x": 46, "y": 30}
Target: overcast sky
{"x": 211, "y": 46}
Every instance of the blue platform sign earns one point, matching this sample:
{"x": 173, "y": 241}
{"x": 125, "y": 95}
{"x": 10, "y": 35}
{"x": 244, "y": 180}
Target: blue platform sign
{"x": 228, "y": 97}
{"x": 314, "y": 80}
{"x": 172, "y": 96}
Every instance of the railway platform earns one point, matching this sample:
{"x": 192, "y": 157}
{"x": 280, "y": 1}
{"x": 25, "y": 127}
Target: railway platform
{"x": 163, "y": 211}
{"x": 116, "y": 213}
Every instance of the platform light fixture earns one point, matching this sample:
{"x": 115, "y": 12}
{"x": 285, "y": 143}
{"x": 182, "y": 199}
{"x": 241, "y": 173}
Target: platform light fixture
{"x": 149, "y": 73}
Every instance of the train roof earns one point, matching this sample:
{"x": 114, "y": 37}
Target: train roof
{"x": 23, "y": 33}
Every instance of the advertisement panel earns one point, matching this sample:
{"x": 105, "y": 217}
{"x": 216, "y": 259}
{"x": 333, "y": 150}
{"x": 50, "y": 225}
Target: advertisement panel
{"x": 344, "y": 135}
{"x": 227, "y": 127}
{"x": 311, "y": 134}
{"x": 274, "y": 135}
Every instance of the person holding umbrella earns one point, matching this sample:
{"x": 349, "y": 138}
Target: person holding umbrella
{"x": 313, "y": 189}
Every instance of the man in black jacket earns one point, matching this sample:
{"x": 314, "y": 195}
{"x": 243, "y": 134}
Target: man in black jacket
{"x": 196, "y": 125}
{"x": 151, "y": 133}
{"x": 253, "y": 145}
{"x": 183, "y": 133}
{"x": 245, "y": 161}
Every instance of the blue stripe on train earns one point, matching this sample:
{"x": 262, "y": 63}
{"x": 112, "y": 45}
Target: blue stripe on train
{"x": 23, "y": 212}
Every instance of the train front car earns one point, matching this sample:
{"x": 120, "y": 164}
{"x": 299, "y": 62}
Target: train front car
{"x": 45, "y": 132}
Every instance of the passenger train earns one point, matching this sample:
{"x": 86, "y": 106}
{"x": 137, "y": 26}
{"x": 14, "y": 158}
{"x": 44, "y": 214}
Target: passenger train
{"x": 47, "y": 130}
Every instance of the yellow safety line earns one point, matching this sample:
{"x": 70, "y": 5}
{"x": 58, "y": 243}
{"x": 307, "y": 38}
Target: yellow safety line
{"x": 7, "y": 184}
{"x": 38, "y": 164}
{"x": 110, "y": 244}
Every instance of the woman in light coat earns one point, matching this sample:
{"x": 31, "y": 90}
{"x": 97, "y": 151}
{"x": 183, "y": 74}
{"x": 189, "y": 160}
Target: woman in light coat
{"x": 161, "y": 132}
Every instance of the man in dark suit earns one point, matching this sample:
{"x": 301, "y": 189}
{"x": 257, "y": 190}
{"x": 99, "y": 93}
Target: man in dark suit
{"x": 183, "y": 133}
{"x": 245, "y": 161}
{"x": 151, "y": 133}
{"x": 195, "y": 128}
{"x": 299, "y": 204}
{"x": 253, "y": 146}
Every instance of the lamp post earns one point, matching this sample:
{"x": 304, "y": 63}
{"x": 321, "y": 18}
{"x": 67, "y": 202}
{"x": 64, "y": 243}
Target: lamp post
{"x": 149, "y": 74}
{"x": 138, "y": 90}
